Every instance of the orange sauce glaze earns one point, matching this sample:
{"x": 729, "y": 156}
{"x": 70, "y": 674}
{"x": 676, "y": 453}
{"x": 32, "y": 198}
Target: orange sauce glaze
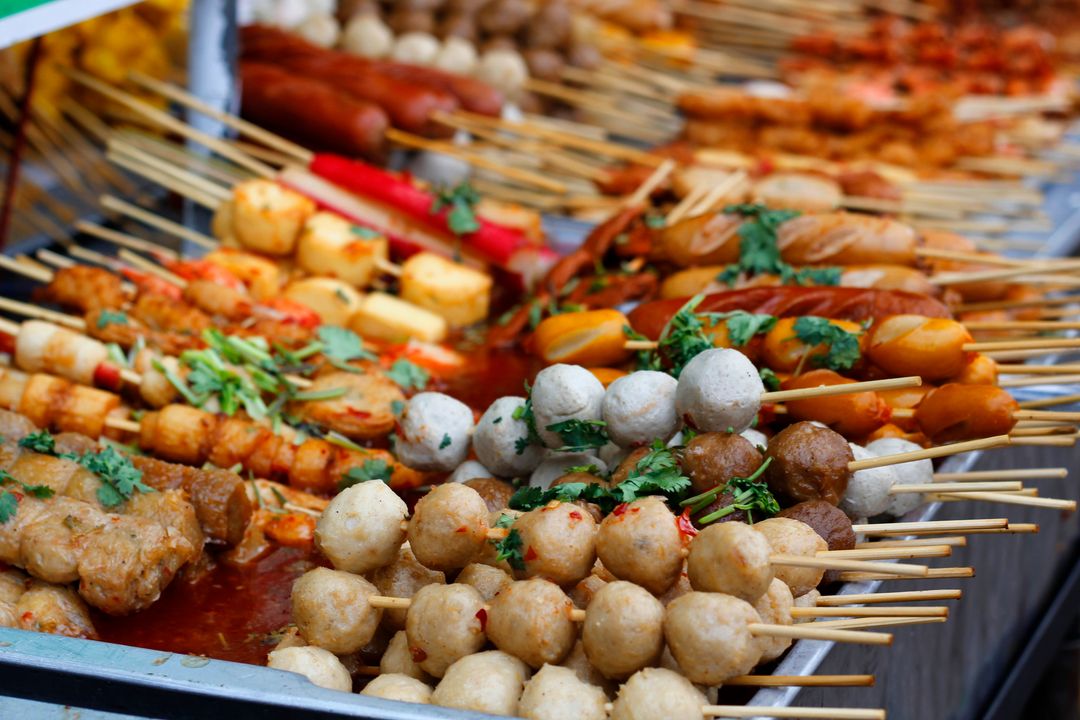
{"x": 234, "y": 612}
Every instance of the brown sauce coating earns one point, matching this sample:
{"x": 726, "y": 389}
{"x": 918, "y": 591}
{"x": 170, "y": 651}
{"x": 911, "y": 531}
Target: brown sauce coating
{"x": 712, "y": 459}
{"x": 827, "y": 520}
{"x": 808, "y": 463}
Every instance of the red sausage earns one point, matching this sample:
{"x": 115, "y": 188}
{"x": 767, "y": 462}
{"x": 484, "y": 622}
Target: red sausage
{"x": 311, "y": 111}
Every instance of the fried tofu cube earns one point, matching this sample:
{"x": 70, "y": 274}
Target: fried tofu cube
{"x": 334, "y": 301}
{"x": 267, "y": 217}
{"x": 385, "y": 317}
{"x": 458, "y": 293}
{"x": 331, "y": 245}
{"x": 260, "y": 275}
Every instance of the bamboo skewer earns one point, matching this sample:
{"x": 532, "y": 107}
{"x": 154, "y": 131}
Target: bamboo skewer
{"x": 163, "y": 119}
{"x": 156, "y": 221}
{"x": 930, "y": 526}
{"x": 833, "y": 612}
{"x": 169, "y": 183}
{"x": 884, "y": 597}
{"x": 245, "y": 128}
{"x": 124, "y": 240}
{"x": 1008, "y": 499}
{"x": 904, "y": 552}
{"x": 1051, "y": 402}
{"x": 860, "y": 623}
{"x": 1020, "y": 474}
{"x": 801, "y": 681}
{"x": 934, "y": 574}
{"x": 930, "y": 453}
{"x": 52, "y": 316}
{"x": 952, "y": 541}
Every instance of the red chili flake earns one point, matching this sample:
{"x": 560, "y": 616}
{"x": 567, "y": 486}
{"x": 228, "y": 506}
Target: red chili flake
{"x": 619, "y": 509}
{"x": 27, "y": 616}
{"x": 530, "y": 554}
{"x": 462, "y": 529}
{"x": 481, "y": 615}
{"x": 575, "y": 515}
{"x": 418, "y": 654}
{"x": 686, "y": 527}
{"x": 7, "y": 344}
{"x": 767, "y": 414}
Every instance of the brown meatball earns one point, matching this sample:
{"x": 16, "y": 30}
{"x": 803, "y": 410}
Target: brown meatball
{"x": 711, "y": 459}
{"x": 458, "y": 25}
{"x": 402, "y": 578}
{"x": 530, "y": 620}
{"x": 629, "y": 463}
{"x": 495, "y": 492}
{"x": 504, "y": 17}
{"x": 641, "y": 542}
{"x": 448, "y": 527}
{"x": 544, "y": 64}
{"x": 723, "y": 499}
{"x": 550, "y": 27}
{"x": 808, "y": 463}
{"x": 827, "y": 520}
{"x": 558, "y": 542}
{"x": 623, "y": 630}
{"x": 404, "y": 20}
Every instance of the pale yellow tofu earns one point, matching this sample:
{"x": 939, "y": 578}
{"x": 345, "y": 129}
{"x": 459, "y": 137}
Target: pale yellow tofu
{"x": 221, "y": 225}
{"x": 512, "y": 215}
{"x": 385, "y": 317}
{"x": 331, "y": 245}
{"x": 334, "y": 301}
{"x": 260, "y": 275}
{"x": 458, "y": 293}
{"x": 267, "y": 217}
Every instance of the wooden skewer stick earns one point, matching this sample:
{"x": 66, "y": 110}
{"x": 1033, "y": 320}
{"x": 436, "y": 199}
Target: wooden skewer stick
{"x": 124, "y": 240}
{"x": 1006, "y": 499}
{"x": 15, "y": 266}
{"x": 690, "y": 200}
{"x": 522, "y": 176}
{"x": 878, "y": 622}
{"x": 1024, "y": 369}
{"x": 1036, "y": 344}
{"x": 41, "y": 313}
{"x": 1051, "y": 402}
{"x": 167, "y": 121}
{"x": 960, "y": 278}
{"x": 905, "y": 552}
{"x": 1022, "y": 474}
{"x": 959, "y": 487}
{"x": 1012, "y": 529}
{"x": 801, "y": 681}
{"x": 1034, "y": 325}
{"x": 152, "y": 268}
{"x": 1061, "y": 441}
{"x": 930, "y": 526}
{"x": 845, "y": 389}
{"x": 901, "y": 611}
{"x": 935, "y": 574}
{"x": 189, "y": 178}
{"x": 156, "y": 221}
{"x": 169, "y": 183}
{"x": 953, "y": 541}
{"x": 1013, "y": 304}
{"x": 930, "y": 453}
{"x": 8, "y": 327}
{"x": 908, "y": 596}
{"x": 643, "y": 191}
{"x": 834, "y": 563}
{"x": 51, "y": 259}
{"x": 560, "y": 137}
{"x": 243, "y": 126}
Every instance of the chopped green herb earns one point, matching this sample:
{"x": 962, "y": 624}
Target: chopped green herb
{"x": 408, "y": 375}
{"x": 397, "y": 407}
{"x": 657, "y": 473}
{"x": 769, "y": 379}
{"x": 654, "y": 221}
{"x": 341, "y": 296}
{"x": 370, "y": 470}
{"x": 40, "y": 442}
{"x": 445, "y": 442}
{"x": 9, "y": 505}
{"x": 504, "y": 521}
{"x": 328, "y": 394}
{"x": 743, "y": 326}
{"x": 41, "y": 492}
{"x": 497, "y": 420}
{"x": 524, "y": 413}
{"x": 509, "y": 549}
{"x": 842, "y": 346}
{"x": 529, "y": 498}
{"x": 579, "y": 435}
{"x": 111, "y": 317}
{"x": 119, "y": 477}
{"x": 340, "y": 345}
{"x": 749, "y": 494}
{"x": 590, "y": 469}
{"x": 365, "y": 232}
{"x": 461, "y": 200}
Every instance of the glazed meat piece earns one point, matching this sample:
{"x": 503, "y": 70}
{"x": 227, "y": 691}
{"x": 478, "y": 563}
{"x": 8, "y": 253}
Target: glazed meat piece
{"x": 122, "y": 562}
{"x": 496, "y": 493}
{"x": 219, "y": 497}
{"x": 827, "y": 520}
{"x": 54, "y": 609}
{"x": 808, "y": 463}
{"x": 712, "y": 459}
{"x": 83, "y": 288}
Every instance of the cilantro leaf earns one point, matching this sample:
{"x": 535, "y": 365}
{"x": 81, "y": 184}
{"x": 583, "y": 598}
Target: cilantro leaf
{"x": 370, "y": 470}
{"x": 408, "y": 375}
{"x": 504, "y": 521}
{"x": 365, "y": 232}
{"x": 818, "y": 276}
{"x": 580, "y": 435}
{"x": 769, "y": 379}
{"x": 9, "y": 505}
{"x": 588, "y": 469}
{"x": 759, "y": 253}
{"x": 527, "y": 497}
{"x": 342, "y": 344}
{"x": 684, "y": 336}
{"x": 509, "y": 549}
{"x": 120, "y": 479}
{"x": 445, "y": 442}
{"x": 39, "y": 442}
{"x": 525, "y": 414}
{"x": 111, "y": 317}
{"x": 743, "y": 326}
{"x": 657, "y": 473}
{"x": 461, "y": 200}
{"x": 842, "y": 347}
